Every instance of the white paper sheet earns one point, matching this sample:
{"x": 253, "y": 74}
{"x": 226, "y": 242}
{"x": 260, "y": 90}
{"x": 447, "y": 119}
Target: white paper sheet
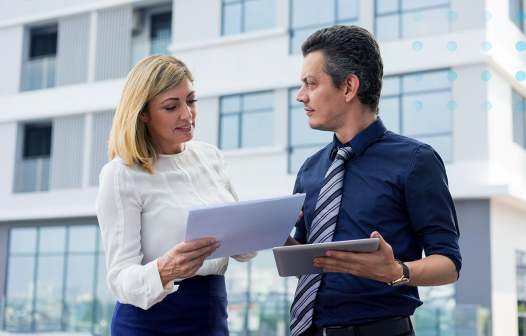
{"x": 245, "y": 226}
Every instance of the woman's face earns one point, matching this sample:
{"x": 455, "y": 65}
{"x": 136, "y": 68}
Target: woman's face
{"x": 171, "y": 118}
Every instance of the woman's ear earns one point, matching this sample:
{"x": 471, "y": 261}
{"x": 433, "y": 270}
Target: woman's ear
{"x": 144, "y": 115}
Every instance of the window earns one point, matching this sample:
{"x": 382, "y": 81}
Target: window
{"x": 417, "y": 106}
{"x": 519, "y": 119}
{"x": 39, "y": 69}
{"x": 151, "y": 32}
{"x": 258, "y": 298}
{"x": 516, "y": 13}
{"x": 241, "y": 16}
{"x": 32, "y": 173}
{"x": 160, "y": 33}
{"x": 56, "y": 281}
{"x": 308, "y": 16}
{"x": 303, "y": 140}
{"x": 246, "y": 120}
{"x": 409, "y": 18}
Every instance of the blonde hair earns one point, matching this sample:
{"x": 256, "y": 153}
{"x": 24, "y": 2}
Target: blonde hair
{"x": 148, "y": 79}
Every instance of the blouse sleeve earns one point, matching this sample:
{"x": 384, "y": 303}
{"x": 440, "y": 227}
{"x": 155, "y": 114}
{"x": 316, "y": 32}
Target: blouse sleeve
{"x": 245, "y": 257}
{"x": 118, "y": 209}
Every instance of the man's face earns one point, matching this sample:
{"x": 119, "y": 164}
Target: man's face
{"x": 324, "y": 104}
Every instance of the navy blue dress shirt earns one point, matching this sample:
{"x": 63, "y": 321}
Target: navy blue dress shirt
{"x": 394, "y": 185}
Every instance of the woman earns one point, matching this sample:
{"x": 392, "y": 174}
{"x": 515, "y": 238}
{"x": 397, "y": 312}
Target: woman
{"x": 163, "y": 285}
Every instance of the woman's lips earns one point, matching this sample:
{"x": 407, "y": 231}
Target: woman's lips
{"x": 185, "y": 128}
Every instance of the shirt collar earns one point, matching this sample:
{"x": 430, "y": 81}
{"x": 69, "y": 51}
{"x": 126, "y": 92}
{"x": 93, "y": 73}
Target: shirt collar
{"x": 363, "y": 140}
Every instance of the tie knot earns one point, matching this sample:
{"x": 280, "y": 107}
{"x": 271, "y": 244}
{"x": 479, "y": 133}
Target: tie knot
{"x": 345, "y": 153}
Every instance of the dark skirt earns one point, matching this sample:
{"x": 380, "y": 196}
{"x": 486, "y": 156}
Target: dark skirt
{"x": 198, "y": 307}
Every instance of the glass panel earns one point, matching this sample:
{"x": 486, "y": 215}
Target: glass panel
{"x": 433, "y": 22}
{"x": 435, "y": 80}
{"x": 419, "y": 4}
{"x": 160, "y": 46}
{"x": 257, "y": 129}
{"x": 37, "y": 140}
{"x": 79, "y": 292}
{"x": 307, "y": 13}
{"x": 299, "y": 36}
{"x": 387, "y": 6}
{"x": 387, "y": 27}
{"x": 82, "y": 238}
{"x": 26, "y": 175}
{"x": 302, "y": 134}
{"x": 19, "y": 293}
{"x": 237, "y": 287}
{"x": 258, "y": 101}
{"x": 231, "y": 104}
{"x": 347, "y": 10}
{"x": 515, "y": 7}
{"x": 259, "y": 14}
{"x": 44, "y": 178}
{"x": 33, "y": 74}
{"x": 299, "y": 155}
{"x": 229, "y": 132}
{"x": 390, "y": 113}
{"x": 105, "y": 301}
{"x": 22, "y": 240}
{"x": 52, "y": 239}
{"x": 269, "y": 306}
{"x": 391, "y": 86}
{"x": 519, "y": 127}
{"x": 49, "y": 292}
{"x": 101, "y": 243}
{"x": 232, "y": 18}
{"x": 50, "y": 76}
{"x": 443, "y": 146}
{"x": 433, "y": 118}
{"x": 161, "y": 25}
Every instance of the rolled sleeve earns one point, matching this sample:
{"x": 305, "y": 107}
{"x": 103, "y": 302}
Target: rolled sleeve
{"x": 430, "y": 206}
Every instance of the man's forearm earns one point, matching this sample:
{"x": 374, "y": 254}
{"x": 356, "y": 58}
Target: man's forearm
{"x": 435, "y": 270}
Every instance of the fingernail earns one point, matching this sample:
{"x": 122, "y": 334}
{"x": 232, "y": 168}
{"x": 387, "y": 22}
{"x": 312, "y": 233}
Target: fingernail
{"x": 212, "y": 241}
{"x": 217, "y": 244}
{"x": 328, "y": 254}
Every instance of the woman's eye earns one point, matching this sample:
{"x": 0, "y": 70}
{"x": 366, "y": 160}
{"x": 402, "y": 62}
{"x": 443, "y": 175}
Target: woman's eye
{"x": 193, "y": 101}
{"x": 171, "y": 108}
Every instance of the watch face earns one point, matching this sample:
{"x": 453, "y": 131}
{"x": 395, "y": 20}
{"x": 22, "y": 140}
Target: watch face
{"x": 400, "y": 283}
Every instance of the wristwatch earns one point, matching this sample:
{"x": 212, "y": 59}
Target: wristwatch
{"x": 404, "y": 278}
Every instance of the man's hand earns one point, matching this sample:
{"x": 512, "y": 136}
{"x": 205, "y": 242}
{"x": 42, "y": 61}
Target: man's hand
{"x": 379, "y": 265}
{"x": 434, "y": 270}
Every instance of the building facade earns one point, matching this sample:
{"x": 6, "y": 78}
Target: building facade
{"x": 454, "y": 78}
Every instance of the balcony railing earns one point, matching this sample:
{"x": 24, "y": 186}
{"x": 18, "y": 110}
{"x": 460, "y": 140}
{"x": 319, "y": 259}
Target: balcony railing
{"x": 141, "y": 50}
{"x": 39, "y": 73}
{"x": 32, "y": 174}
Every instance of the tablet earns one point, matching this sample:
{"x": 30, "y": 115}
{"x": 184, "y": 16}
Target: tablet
{"x": 299, "y": 259}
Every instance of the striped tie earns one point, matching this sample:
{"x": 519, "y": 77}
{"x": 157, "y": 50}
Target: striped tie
{"x": 321, "y": 231}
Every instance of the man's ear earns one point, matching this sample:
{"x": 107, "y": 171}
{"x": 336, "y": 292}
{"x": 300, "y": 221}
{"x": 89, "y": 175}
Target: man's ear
{"x": 351, "y": 85}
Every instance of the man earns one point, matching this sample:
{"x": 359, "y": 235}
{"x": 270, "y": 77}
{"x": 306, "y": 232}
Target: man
{"x": 369, "y": 182}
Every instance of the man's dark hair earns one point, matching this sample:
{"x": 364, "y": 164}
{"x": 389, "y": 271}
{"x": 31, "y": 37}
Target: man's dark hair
{"x": 350, "y": 50}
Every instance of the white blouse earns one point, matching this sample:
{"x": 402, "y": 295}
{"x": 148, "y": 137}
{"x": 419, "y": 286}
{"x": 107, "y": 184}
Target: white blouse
{"x": 142, "y": 216}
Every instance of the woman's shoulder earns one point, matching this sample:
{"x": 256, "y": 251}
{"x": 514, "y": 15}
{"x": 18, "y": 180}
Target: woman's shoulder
{"x": 119, "y": 166}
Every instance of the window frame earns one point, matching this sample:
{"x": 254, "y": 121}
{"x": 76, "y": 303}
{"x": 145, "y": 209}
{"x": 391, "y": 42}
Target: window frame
{"x": 329, "y": 24}
{"x": 240, "y": 114}
{"x": 224, "y": 3}
{"x": 400, "y": 13}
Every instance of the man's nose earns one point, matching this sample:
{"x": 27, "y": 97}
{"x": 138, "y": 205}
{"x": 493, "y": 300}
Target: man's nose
{"x": 302, "y": 97}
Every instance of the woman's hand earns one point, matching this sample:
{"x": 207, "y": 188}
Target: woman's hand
{"x": 184, "y": 259}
